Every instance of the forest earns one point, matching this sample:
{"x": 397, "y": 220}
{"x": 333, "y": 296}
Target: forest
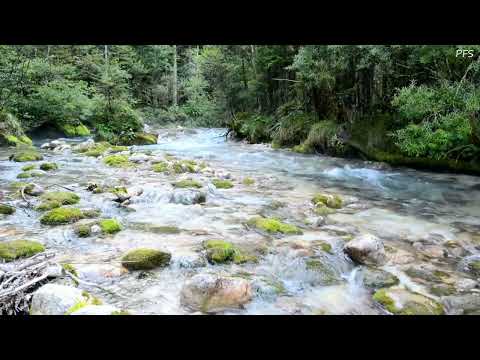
{"x": 414, "y": 105}
{"x": 239, "y": 179}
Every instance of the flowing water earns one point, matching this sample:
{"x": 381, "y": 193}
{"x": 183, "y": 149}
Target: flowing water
{"x": 412, "y": 211}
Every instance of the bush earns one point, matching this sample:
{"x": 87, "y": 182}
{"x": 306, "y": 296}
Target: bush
{"x": 256, "y": 128}
{"x": 293, "y": 128}
{"x": 323, "y": 136}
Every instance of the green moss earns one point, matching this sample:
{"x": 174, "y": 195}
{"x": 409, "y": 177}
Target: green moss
{"x": 302, "y": 149}
{"x": 425, "y": 307}
{"x": 317, "y": 265}
{"x": 76, "y": 307}
{"x": 25, "y": 140}
{"x": 28, "y": 167}
{"x": 11, "y": 140}
{"x": 222, "y": 184}
{"x": 145, "y": 259}
{"x": 219, "y": 251}
{"x": 98, "y": 149}
{"x": 272, "y": 225}
{"x": 110, "y": 226}
{"x": 116, "y": 148}
{"x": 48, "y": 205}
{"x": 62, "y": 215}
{"x": 6, "y": 209}
{"x": 62, "y": 197}
{"x": 325, "y": 246}
{"x": 323, "y": 210}
{"x": 187, "y": 184}
{"x": 248, "y": 181}
{"x": 183, "y": 166}
{"x": 72, "y": 130}
{"x": 11, "y": 250}
{"x": 29, "y": 174}
{"x": 83, "y": 230}
{"x": 160, "y": 167}
{"x": 29, "y": 154}
{"x": 91, "y": 213}
{"x": 145, "y": 139}
{"x": 331, "y": 201}
{"x": 48, "y": 166}
{"x": 120, "y": 312}
{"x": 19, "y": 185}
{"x": 118, "y": 161}
{"x": 70, "y": 268}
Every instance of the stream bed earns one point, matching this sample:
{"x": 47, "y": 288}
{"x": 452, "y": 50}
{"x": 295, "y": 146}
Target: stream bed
{"x": 429, "y": 223}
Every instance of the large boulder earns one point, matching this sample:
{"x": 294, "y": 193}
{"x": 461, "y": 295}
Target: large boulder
{"x": 53, "y": 299}
{"x": 211, "y": 293}
{"x": 188, "y": 197}
{"x": 366, "y": 249}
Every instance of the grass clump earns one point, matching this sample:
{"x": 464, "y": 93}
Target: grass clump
{"x": 222, "y": 184}
{"x": 62, "y": 215}
{"x": 145, "y": 259}
{"x": 187, "y": 184}
{"x": 12, "y": 250}
{"x": 48, "y": 166}
{"x": 83, "y": 230}
{"x": 272, "y": 225}
{"x": 110, "y": 226}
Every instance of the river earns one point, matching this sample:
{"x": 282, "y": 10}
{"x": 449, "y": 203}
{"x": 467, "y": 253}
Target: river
{"x": 413, "y": 212}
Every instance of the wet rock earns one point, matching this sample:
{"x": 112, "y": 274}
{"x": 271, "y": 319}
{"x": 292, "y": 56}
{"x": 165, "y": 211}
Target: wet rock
{"x": 325, "y": 273}
{"x": 96, "y": 310}
{"x": 465, "y": 284}
{"x": 320, "y": 221}
{"x": 15, "y": 249}
{"x": 274, "y": 226}
{"x": 188, "y": 197}
{"x": 366, "y": 249}
{"x": 145, "y": 259}
{"x": 139, "y": 158}
{"x": 84, "y": 146}
{"x": 403, "y": 302}
{"x": 211, "y": 293}
{"x": 377, "y": 278}
{"x": 191, "y": 261}
{"x": 7, "y": 209}
{"x": 426, "y": 273}
{"x": 399, "y": 256}
{"x": 462, "y": 304}
{"x": 34, "y": 190}
{"x": 431, "y": 251}
{"x": 53, "y": 299}
{"x": 442, "y": 289}
{"x": 472, "y": 265}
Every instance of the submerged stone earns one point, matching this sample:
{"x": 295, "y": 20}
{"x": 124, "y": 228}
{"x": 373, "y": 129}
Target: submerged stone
{"x": 48, "y": 166}
{"x": 222, "y": 184}
{"x": 377, "y": 278}
{"x": 6, "y": 209}
{"x": 331, "y": 201}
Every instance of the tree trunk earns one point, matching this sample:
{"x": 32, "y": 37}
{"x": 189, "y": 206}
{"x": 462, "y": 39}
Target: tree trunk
{"x": 175, "y": 90}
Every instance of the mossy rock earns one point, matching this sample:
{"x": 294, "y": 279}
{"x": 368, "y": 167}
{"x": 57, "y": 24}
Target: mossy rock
{"x": 184, "y": 166}
{"x": 187, "y": 184}
{"x": 70, "y": 268}
{"x": 139, "y": 138}
{"x": 27, "y": 155}
{"x": 62, "y": 215}
{"x": 110, "y": 226}
{"x": 62, "y": 197}
{"x": 145, "y": 259}
{"x": 220, "y": 251}
{"x": 302, "y": 149}
{"x": 97, "y": 150}
{"x": 324, "y": 246}
{"x": 117, "y": 148}
{"x": 48, "y": 205}
{"x": 222, "y": 184}
{"x": 74, "y": 130}
{"x": 331, "y": 201}
{"x": 91, "y": 213}
{"x": 29, "y": 174}
{"x": 13, "y": 140}
{"x": 403, "y": 302}
{"x": 272, "y": 225}
{"x": 83, "y": 230}
{"x": 160, "y": 167}
{"x": 248, "y": 181}
{"x": 328, "y": 275}
{"x": 7, "y": 209}
{"x": 118, "y": 161}
{"x": 474, "y": 267}
{"x": 12, "y": 250}
{"x": 323, "y": 210}
{"x": 48, "y": 166}
{"x": 28, "y": 167}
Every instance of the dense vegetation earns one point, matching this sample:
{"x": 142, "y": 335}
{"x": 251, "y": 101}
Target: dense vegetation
{"x": 398, "y": 103}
